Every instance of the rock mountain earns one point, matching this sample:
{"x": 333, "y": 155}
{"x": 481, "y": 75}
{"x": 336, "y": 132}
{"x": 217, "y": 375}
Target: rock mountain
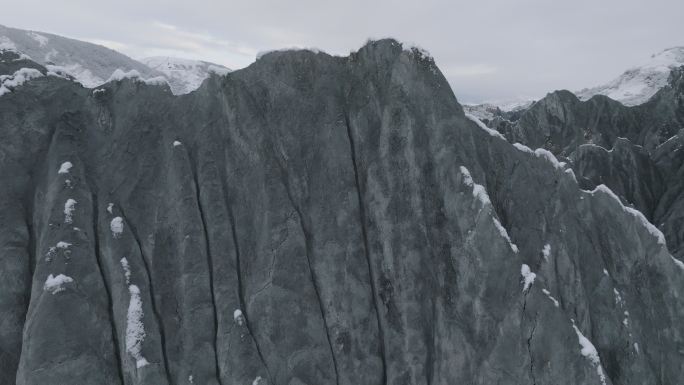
{"x": 313, "y": 219}
{"x": 93, "y": 65}
{"x": 635, "y": 151}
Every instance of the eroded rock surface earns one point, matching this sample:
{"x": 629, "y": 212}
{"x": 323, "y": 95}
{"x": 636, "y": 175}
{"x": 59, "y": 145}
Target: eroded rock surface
{"x": 314, "y": 220}
{"x": 632, "y": 150}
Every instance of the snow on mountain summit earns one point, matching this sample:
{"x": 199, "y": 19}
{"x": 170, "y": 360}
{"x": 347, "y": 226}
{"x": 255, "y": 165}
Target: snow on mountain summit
{"x": 184, "y": 75}
{"x": 87, "y": 63}
{"x": 637, "y": 85}
{"x": 93, "y": 65}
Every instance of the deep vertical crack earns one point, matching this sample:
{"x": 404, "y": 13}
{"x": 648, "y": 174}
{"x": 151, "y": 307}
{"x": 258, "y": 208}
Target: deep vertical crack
{"x": 366, "y": 248}
{"x": 241, "y": 294}
{"x": 110, "y": 301}
{"x": 529, "y": 339}
{"x": 312, "y": 274}
{"x": 238, "y": 273}
{"x": 430, "y": 355}
{"x": 233, "y": 232}
{"x": 210, "y": 266}
{"x": 529, "y": 350}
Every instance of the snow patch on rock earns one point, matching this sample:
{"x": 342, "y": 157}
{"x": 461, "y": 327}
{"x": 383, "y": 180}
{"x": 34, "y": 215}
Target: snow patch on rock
{"x": 65, "y": 167}
{"x": 63, "y": 245}
{"x": 117, "y": 226}
{"x": 481, "y": 195}
{"x": 10, "y": 82}
{"x": 546, "y": 154}
{"x": 75, "y": 71}
{"x": 589, "y": 352}
{"x": 69, "y": 208}
{"x": 135, "y": 329}
{"x": 238, "y": 317}
{"x": 523, "y": 148}
{"x": 479, "y": 191}
{"x": 541, "y": 153}
{"x": 546, "y": 251}
{"x": 528, "y": 277}
{"x": 55, "y": 284}
{"x": 127, "y": 269}
{"x": 504, "y": 234}
{"x": 548, "y": 294}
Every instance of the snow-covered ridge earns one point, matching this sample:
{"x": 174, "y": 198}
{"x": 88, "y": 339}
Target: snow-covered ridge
{"x": 119, "y": 75}
{"x": 638, "y": 84}
{"x": 184, "y": 75}
{"x": 9, "y": 82}
{"x": 543, "y": 154}
{"x": 87, "y": 63}
{"x": 483, "y": 126}
{"x": 634, "y": 212}
{"x": 489, "y": 110}
{"x": 480, "y": 193}
{"x": 92, "y": 65}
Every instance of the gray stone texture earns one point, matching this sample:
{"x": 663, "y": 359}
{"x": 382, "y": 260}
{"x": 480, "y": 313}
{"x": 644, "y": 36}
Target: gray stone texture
{"x": 350, "y": 211}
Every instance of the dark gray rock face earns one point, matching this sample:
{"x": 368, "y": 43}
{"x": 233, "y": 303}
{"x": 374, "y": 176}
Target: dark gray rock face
{"x": 314, "y": 220}
{"x": 632, "y": 150}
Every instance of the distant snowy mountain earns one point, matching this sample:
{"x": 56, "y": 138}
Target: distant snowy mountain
{"x": 637, "y": 85}
{"x": 89, "y": 64}
{"x": 489, "y": 111}
{"x": 184, "y": 75}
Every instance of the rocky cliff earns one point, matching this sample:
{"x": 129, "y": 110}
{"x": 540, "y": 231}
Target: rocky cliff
{"x": 313, "y": 219}
{"x": 635, "y": 151}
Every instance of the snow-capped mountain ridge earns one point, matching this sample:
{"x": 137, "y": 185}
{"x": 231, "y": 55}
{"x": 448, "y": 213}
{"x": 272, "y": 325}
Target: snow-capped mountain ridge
{"x": 87, "y": 63}
{"x": 92, "y": 65}
{"x": 490, "y": 110}
{"x": 184, "y": 75}
{"x": 638, "y": 84}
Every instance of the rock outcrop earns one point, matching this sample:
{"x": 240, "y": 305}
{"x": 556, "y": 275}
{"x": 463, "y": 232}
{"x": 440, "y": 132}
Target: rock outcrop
{"x": 313, "y": 219}
{"x": 632, "y": 150}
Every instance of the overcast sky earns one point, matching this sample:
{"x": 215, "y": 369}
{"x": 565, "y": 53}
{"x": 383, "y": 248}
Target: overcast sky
{"x": 493, "y": 50}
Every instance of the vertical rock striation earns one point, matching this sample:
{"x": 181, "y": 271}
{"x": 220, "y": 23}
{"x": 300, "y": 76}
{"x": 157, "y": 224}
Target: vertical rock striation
{"x": 313, "y": 219}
